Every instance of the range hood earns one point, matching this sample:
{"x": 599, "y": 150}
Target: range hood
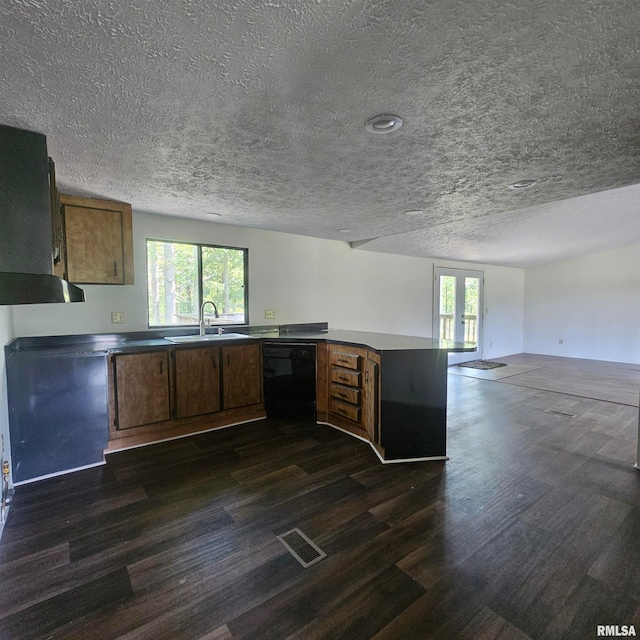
{"x": 26, "y": 265}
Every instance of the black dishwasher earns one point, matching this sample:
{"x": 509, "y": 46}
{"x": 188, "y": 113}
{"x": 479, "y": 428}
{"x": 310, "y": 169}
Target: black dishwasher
{"x": 289, "y": 379}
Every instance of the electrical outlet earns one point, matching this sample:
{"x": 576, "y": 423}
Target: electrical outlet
{"x": 270, "y": 314}
{"x": 117, "y": 317}
{"x": 561, "y": 341}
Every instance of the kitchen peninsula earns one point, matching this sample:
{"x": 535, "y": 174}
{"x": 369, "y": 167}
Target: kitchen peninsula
{"x": 386, "y": 389}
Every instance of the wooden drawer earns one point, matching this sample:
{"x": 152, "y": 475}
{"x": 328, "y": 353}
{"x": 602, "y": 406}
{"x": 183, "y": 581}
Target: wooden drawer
{"x": 347, "y": 360}
{"x": 346, "y": 410}
{"x": 344, "y": 376}
{"x": 346, "y": 394}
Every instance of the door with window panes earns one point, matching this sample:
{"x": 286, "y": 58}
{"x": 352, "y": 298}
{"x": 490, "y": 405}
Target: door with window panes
{"x": 458, "y": 309}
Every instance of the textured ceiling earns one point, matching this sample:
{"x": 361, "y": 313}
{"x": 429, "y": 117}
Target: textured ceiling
{"x": 255, "y": 110}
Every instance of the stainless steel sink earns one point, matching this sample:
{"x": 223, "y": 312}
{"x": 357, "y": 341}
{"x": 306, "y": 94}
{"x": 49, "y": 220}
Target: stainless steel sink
{"x": 210, "y": 337}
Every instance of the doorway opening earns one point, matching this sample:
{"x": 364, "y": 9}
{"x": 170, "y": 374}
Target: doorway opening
{"x": 457, "y": 309}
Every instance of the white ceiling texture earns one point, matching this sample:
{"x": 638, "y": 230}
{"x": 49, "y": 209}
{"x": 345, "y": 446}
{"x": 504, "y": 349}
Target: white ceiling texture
{"x": 255, "y": 110}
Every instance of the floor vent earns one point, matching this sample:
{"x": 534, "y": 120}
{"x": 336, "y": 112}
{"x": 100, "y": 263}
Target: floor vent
{"x": 302, "y": 549}
{"x": 561, "y": 413}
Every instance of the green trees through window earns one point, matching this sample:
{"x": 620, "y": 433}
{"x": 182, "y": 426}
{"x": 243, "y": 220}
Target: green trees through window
{"x": 181, "y": 276}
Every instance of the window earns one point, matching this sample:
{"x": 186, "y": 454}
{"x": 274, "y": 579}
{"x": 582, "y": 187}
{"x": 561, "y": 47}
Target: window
{"x": 182, "y": 275}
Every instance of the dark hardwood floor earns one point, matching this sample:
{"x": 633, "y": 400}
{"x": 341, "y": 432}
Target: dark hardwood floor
{"x": 530, "y": 530}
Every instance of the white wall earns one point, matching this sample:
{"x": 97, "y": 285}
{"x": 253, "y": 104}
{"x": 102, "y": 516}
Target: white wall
{"x": 591, "y": 303}
{"x": 504, "y": 311}
{"x": 304, "y": 279}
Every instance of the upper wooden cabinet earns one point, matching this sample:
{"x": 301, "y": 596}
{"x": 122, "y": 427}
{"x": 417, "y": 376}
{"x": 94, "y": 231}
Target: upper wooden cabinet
{"x": 98, "y": 241}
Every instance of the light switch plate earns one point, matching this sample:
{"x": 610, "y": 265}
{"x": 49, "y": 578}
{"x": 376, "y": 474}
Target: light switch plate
{"x": 117, "y": 317}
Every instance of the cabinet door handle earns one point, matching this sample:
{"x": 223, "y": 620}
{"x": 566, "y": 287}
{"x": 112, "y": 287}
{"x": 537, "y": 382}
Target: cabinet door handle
{"x": 115, "y": 268}
{"x": 161, "y": 367}
{"x": 213, "y": 362}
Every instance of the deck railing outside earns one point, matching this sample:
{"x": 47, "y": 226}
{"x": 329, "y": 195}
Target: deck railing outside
{"x": 470, "y": 327}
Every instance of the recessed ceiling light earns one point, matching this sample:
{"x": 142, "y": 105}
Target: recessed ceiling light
{"x": 345, "y": 230}
{"x": 383, "y": 124}
{"x": 414, "y": 212}
{"x": 523, "y": 184}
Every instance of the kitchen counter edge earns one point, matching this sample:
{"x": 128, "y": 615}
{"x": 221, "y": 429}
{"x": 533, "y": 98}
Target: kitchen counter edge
{"x": 140, "y": 341}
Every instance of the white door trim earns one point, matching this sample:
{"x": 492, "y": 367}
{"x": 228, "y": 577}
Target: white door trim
{"x": 459, "y": 274}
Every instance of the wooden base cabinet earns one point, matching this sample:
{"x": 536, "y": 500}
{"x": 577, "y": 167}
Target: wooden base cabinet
{"x": 395, "y": 399}
{"x": 141, "y": 389}
{"x": 347, "y": 387}
{"x": 242, "y": 375}
{"x": 197, "y": 381}
{"x": 205, "y": 387}
{"x": 372, "y": 396}
{"x": 354, "y": 390}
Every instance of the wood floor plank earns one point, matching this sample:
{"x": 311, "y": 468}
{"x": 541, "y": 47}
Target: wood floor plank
{"x": 608, "y": 381}
{"x": 198, "y": 612}
{"x": 529, "y": 530}
{"x": 488, "y": 625}
{"x": 221, "y": 633}
{"x": 42, "y": 618}
{"x": 37, "y": 562}
{"x": 591, "y": 604}
{"x": 619, "y": 560}
{"x": 388, "y": 594}
{"x": 441, "y": 613}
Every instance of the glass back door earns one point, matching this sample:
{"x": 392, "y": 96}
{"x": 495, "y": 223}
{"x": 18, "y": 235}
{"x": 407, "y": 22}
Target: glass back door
{"x": 458, "y": 309}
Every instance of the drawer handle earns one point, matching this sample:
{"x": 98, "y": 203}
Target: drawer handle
{"x": 342, "y": 395}
{"x": 342, "y": 411}
{"x": 343, "y": 379}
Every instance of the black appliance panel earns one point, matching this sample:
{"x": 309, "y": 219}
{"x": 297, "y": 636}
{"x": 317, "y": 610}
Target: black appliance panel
{"x": 289, "y": 379}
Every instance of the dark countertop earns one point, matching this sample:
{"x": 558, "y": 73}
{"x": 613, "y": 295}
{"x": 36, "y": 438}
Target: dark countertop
{"x": 88, "y": 344}
{"x": 375, "y": 341}
{"x": 99, "y": 344}
{"x": 82, "y": 346}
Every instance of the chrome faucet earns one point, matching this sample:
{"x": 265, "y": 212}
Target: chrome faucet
{"x": 215, "y": 312}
